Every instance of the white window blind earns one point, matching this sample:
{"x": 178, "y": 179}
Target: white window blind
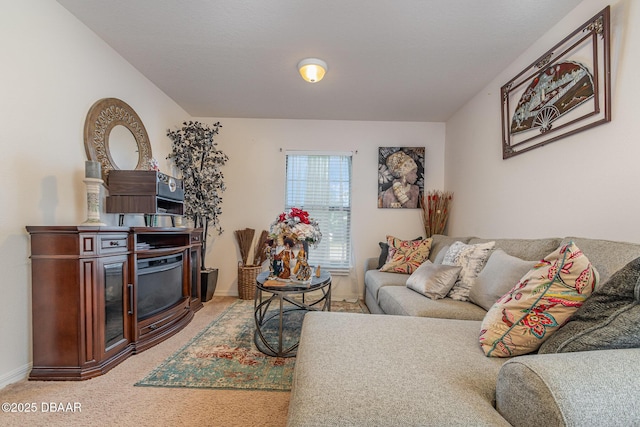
{"x": 321, "y": 185}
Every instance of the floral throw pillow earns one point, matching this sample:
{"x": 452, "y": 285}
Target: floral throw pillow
{"x": 539, "y": 304}
{"x": 407, "y": 255}
{"x": 471, "y": 258}
{"x": 386, "y": 252}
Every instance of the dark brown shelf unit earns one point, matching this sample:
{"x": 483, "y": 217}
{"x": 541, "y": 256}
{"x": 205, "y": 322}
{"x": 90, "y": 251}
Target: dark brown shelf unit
{"x": 146, "y": 205}
{"x": 144, "y": 192}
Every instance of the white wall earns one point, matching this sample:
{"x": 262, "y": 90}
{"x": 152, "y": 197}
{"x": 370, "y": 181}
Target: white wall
{"x": 255, "y": 178}
{"x": 53, "y": 70}
{"x": 582, "y": 185}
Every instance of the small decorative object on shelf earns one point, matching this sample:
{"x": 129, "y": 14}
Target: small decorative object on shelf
{"x": 288, "y": 245}
{"x": 92, "y": 169}
{"x": 93, "y": 182}
{"x": 154, "y": 165}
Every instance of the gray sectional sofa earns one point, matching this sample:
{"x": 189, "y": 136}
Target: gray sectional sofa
{"x": 415, "y": 361}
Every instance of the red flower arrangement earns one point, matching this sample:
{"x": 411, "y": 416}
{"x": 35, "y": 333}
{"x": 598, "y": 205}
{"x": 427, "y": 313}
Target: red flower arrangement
{"x": 298, "y": 215}
{"x": 296, "y": 224}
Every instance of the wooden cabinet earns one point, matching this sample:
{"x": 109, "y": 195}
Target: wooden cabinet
{"x": 114, "y": 308}
{"x": 195, "y": 264}
{"x": 86, "y": 288}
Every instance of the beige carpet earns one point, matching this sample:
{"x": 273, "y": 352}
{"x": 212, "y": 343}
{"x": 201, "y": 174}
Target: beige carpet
{"x": 112, "y": 399}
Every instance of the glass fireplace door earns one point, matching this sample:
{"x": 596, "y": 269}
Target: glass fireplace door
{"x": 115, "y": 297}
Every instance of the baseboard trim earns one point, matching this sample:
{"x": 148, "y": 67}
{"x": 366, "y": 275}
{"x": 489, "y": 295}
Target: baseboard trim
{"x": 16, "y": 375}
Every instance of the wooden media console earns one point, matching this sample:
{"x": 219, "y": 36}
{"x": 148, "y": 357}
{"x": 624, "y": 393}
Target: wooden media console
{"x": 101, "y": 294}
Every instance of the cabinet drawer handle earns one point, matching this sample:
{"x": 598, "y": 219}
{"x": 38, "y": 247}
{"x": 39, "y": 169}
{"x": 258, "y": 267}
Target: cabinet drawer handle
{"x": 153, "y": 327}
{"x": 114, "y": 243}
{"x": 130, "y": 286}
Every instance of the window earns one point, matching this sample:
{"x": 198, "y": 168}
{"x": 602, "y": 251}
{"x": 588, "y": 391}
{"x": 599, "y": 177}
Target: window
{"x": 321, "y": 185}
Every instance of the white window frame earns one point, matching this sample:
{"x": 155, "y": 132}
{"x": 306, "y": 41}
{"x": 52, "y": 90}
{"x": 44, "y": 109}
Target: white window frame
{"x": 334, "y": 253}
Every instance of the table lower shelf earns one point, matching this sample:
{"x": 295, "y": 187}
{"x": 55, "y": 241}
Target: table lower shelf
{"x": 278, "y": 319}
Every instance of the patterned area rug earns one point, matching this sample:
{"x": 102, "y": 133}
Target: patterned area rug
{"x": 223, "y": 355}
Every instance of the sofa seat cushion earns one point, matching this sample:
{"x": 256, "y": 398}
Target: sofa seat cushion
{"x": 376, "y": 279}
{"x": 359, "y": 370}
{"x": 402, "y": 301}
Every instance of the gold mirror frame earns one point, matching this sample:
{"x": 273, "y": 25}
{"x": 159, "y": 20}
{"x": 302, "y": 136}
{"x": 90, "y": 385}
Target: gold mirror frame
{"x": 102, "y": 117}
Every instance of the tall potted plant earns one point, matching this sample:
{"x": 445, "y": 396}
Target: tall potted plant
{"x": 195, "y": 154}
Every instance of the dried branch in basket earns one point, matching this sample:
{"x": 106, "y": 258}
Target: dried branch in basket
{"x": 244, "y": 239}
{"x": 259, "y": 254}
{"x": 435, "y": 211}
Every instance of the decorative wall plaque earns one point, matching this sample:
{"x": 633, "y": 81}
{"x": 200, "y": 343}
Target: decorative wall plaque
{"x": 565, "y": 91}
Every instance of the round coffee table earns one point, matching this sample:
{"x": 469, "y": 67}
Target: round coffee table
{"x": 278, "y": 327}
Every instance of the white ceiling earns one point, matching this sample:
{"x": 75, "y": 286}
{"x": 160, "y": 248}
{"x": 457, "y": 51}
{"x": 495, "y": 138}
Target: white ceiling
{"x": 395, "y": 60}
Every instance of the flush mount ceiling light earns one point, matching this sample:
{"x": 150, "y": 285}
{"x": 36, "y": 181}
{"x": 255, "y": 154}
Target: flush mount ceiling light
{"x": 312, "y": 69}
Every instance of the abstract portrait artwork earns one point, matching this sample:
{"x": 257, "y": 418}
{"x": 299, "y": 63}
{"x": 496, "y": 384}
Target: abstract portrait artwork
{"x": 400, "y": 177}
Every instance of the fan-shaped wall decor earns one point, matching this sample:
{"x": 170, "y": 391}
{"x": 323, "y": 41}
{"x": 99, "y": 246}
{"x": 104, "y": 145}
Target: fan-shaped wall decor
{"x": 565, "y": 91}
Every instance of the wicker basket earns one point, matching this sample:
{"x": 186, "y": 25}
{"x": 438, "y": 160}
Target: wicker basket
{"x": 247, "y": 280}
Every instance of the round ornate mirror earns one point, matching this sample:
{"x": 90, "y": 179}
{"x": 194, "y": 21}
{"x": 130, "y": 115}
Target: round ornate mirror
{"x": 123, "y": 148}
{"x": 115, "y": 136}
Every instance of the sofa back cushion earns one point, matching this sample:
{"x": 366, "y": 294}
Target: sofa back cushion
{"x": 500, "y": 274}
{"x": 606, "y": 256}
{"x": 527, "y": 249}
{"x": 439, "y": 241}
